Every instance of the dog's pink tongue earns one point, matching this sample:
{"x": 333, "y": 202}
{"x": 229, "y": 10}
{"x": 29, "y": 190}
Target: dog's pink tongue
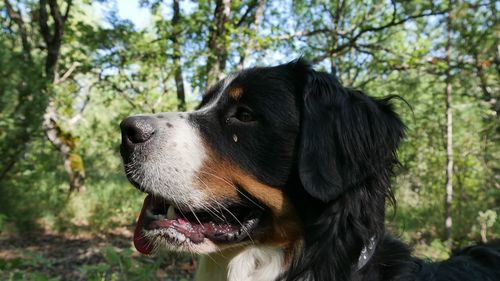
{"x": 140, "y": 242}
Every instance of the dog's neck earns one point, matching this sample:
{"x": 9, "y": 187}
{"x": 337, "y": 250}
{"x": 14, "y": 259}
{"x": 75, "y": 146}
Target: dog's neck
{"x": 255, "y": 263}
{"x": 251, "y": 263}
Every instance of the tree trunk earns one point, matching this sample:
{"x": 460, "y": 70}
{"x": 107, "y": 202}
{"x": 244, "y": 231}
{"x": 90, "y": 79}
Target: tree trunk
{"x": 24, "y": 112}
{"x": 449, "y": 136}
{"x": 217, "y": 45}
{"x": 254, "y": 26}
{"x": 63, "y": 141}
{"x": 179, "y": 81}
{"x": 337, "y": 17}
{"x": 52, "y": 39}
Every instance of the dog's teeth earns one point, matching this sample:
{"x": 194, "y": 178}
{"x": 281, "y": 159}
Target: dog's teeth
{"x": 171, "y": 213}
{"x": 159, "y": 217}
{"x": 150, "y": 214}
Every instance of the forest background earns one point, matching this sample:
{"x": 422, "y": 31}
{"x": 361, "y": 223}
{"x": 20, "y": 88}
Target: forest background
{"x": 71, "y": 70}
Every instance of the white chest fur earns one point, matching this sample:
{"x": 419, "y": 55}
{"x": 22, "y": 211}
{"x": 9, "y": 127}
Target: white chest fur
{"x": 251, "y": 263}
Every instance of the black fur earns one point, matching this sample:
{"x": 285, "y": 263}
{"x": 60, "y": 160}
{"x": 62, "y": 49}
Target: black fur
{"x": 332, "y": 150}
{"x": 346, "y": 156}
{"x": 347, "y": 138}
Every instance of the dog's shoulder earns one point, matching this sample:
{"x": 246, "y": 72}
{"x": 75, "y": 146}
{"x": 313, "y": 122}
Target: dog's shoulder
{"x": 253, "y": 263}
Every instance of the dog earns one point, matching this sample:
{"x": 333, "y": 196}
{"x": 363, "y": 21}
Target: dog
{"x": 280, "y": 174}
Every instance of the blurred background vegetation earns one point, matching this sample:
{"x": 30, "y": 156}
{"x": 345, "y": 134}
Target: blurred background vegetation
{"x": 71, "y": 70}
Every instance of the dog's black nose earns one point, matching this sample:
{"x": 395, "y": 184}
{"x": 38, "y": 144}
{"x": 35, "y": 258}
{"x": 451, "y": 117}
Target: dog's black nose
{"x": 137, "y": 129}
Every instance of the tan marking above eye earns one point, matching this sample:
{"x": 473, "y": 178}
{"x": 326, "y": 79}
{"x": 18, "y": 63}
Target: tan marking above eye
{"x": 235, "y": 93}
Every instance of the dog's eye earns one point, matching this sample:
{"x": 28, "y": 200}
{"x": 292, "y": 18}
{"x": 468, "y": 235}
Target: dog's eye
{"x": 244, "y": 115}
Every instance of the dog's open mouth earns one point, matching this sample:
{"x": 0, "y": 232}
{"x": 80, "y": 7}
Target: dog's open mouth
{"x": 219, "y": 224}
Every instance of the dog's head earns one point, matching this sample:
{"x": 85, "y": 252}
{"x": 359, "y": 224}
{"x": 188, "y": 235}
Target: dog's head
{"x": 262, "y": 159}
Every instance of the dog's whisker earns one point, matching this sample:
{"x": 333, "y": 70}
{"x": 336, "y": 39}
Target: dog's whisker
{"x": 214, "y": 260}
{"x": 210, "y": 208}
{"x": 211, "y": 211}
{"x": 230, "y": 184}
{"x": 242, "y": 227}
{"x": 196, "y": 217}
{"x": 150, "y": 241}
{"x": 178, "y": 208}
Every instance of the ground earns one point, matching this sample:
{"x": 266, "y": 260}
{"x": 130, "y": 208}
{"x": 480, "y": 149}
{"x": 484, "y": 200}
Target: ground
{"x": 59, "y": 256}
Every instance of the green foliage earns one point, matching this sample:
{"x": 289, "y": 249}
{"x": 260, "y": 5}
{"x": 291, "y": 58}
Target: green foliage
{"x": 121, "y": 70}
{"x": 21, "y": 268}
{"x": 121, "y": 265}
{"x": 117, "y": 264}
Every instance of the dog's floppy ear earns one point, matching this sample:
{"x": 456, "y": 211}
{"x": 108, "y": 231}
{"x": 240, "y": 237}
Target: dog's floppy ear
{"x": 347, "y": 138}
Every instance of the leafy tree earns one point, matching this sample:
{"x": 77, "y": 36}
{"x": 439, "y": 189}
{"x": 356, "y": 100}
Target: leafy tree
{"x": 69, "y": 77}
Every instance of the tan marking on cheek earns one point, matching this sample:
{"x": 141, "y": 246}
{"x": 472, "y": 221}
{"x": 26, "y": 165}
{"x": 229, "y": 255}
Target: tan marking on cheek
{"x": 216, "y": 182}
{"x": 221, "y": 180}
{"x": 214, "y": 177}
{"x": 272, "y": 197}
{"x": 235, "y": 93}
{"x": 285, "y": 223}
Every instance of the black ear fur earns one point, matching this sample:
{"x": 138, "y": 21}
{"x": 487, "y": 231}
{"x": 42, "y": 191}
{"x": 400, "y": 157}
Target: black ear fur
{"x": 346, "y": 153}
{"x": 347, "y": 137}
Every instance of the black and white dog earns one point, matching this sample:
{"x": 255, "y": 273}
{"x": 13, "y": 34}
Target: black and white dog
{"x": 281, "y": 174}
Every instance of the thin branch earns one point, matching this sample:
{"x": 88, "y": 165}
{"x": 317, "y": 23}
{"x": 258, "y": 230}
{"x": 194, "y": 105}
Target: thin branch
{"x": 13, "y": 160}
{"x": 302, "y": 34}
{"x": 395, "y": 22}
{"x": 18, "y": 19}
{"x": 68, "y": 7}
{"x": 249, "y": 9}
{"x": 120, "y": 91}
{"x": 79, "y": 116}
{"x": 353, "y": 40}
{"x": 67, "y": 73}
{"x": 331, "y": 52}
